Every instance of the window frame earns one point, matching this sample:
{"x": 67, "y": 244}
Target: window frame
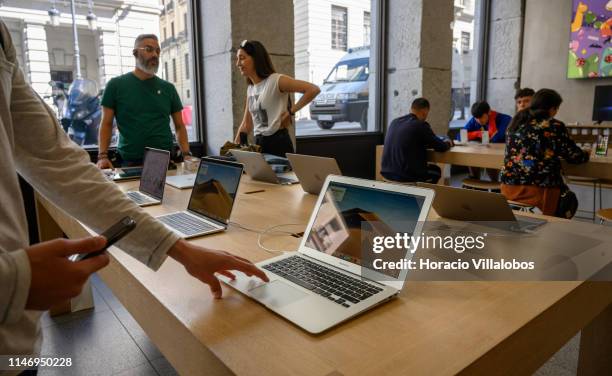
{"x": 198, "y": 147}
{"x": 465, "y": 34}
{"x": 344, "y": 10}
{"x": 378, "y": 34}
{"x": 174, "y": 74}
{"x": 483, "y": 53}
{"x": 187, "y": 73}
{"x": 369, "y": 28}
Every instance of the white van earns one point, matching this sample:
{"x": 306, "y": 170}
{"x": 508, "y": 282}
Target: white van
{"x": 344, "y": 93}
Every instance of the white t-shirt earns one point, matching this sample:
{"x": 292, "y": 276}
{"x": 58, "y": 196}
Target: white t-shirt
{"x": 266, "y": 105}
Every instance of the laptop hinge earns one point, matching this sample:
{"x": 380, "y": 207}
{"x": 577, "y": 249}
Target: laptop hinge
{"x": 214, "y": 221}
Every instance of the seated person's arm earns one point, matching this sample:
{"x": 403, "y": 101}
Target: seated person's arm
{"x": 247, "y": 123}
{"x": 474, "y": 130}
{"x": 104, "y": 137}
{"x": 567, "y": 149}
{"x": 181, "y": 132}
{"x": 434, "y": 142}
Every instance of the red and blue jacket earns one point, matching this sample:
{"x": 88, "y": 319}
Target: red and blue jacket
{"x": 498, "y": 123}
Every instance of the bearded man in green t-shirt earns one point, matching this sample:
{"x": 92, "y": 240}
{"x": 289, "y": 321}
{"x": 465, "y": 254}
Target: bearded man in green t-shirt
{"x": 142, "y": 103}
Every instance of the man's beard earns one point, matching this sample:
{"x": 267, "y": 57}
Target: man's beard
{"x": 144, "y": 65}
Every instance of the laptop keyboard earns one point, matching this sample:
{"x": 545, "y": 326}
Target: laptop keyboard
{"x": 139, "y": 198}
{"x": 335, "y": 286}
{"x": 186, "y": 224}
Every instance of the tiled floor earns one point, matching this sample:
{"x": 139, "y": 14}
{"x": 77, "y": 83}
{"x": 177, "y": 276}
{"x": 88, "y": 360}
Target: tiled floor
{"x": 108, "y": 341}
{"x": 103, "y": 341}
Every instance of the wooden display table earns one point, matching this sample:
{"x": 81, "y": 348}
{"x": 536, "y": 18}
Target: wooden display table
{"x": 433, "y": 328}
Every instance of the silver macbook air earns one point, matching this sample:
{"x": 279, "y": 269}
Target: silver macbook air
{"x": 257, "y": 168}
{"x": 181, "y": 181}
{"x": 327, "y": 281}
{"x": 311, "y": 171}
{"x": 211, "y": 201}
{"x": 151, "y": 189}
{"x": 472, "y": 205}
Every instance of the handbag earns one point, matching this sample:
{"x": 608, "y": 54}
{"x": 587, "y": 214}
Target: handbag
{"x": 228, "y": 146}
{"x": 568, "y": 203}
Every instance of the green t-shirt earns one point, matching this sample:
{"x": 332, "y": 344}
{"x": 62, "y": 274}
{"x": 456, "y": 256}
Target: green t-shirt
{"x": 142, "y": 109}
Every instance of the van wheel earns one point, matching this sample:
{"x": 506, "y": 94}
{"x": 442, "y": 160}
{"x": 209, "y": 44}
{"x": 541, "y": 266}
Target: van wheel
{"x": 363, "y": 121}
{"x": 325, "y": 124}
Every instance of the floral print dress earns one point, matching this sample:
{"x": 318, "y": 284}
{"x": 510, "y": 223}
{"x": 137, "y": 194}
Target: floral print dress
{"x": 534, "y": 151}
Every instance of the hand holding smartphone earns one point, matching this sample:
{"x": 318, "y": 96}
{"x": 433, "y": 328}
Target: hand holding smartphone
{"x": 112, "y": 235}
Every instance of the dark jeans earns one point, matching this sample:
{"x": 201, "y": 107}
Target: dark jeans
{"x": 121, "y": 162}
{"x": 132, "y": 163}
{"x": 278, "y": 144}
{"x": 432, "y": 175}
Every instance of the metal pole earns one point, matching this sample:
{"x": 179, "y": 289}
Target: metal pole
{"x": 77, "y": 55}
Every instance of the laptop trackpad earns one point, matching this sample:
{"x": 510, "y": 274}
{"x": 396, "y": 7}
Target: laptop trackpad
{"x": 277, "y": 294}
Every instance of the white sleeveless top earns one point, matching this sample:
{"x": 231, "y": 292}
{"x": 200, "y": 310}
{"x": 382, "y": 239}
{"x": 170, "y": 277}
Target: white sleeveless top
{"x": 266, "y": 105}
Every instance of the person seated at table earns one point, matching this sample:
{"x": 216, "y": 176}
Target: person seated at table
{"x": 523, "y": 98}
{"x": 536, "y": 142}
{"x": 406, "y": 143}
{"x": 495, "y": 123}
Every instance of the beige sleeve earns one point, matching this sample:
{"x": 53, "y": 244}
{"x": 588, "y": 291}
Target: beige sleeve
{"x": 62, "y": 172}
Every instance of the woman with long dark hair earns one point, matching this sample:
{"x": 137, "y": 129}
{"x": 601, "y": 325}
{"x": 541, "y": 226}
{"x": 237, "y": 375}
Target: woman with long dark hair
{"x": 269, "y": 110}
{"x": 535, "y": 144}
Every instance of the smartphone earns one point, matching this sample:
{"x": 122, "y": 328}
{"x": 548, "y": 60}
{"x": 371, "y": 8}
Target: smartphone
{"x": 112, "y": 235}
{"x": 602, "y": 145}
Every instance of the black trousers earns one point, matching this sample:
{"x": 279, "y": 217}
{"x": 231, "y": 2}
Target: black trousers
{"x": 432, "y": 175}
{"x": 278, "y": 144}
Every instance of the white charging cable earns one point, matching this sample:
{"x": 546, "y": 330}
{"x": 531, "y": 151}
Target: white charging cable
{"x": 271, "y": 230}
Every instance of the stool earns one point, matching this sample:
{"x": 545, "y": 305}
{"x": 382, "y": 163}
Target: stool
{"x": 594, "y": 181}
{"x": 604, "y": 215}
{"x": 481, "y": 185}
{"x": 515, "y": 205}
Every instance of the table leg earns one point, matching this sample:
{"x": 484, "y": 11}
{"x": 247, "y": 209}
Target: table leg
{"x": 596, "y": 346}
{"x": 446, "y": 173}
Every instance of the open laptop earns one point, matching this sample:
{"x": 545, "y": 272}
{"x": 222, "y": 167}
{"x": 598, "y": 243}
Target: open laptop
{"x": 211, "y": 201}
{"x": 152, "y": 181}
{"x": 311, "y": 171}
{"x": 326, "y": 281}
{"x": 478, "y": 206}
{"x": 181, "y": 181}
{"x": 258, "y": 169}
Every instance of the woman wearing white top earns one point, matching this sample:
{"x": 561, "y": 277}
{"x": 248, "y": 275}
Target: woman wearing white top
{"x": 268, "y": 110}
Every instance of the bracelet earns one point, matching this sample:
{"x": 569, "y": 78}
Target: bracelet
{"x": 103, "y": 155}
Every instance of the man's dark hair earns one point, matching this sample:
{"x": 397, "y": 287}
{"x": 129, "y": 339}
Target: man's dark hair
{"x": 543, "y": 101}
{"x": 480, "y": 108}
{"x": 261, "y": 59}
{"x": 420, "y": 104}
{"x": 524, "y": 92}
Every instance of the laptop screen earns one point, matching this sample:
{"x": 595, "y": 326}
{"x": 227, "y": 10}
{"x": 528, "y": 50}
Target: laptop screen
{"x": 215, "y": 189}
{"x": 347, "y": 209}
{"x": 154, "y": 172}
